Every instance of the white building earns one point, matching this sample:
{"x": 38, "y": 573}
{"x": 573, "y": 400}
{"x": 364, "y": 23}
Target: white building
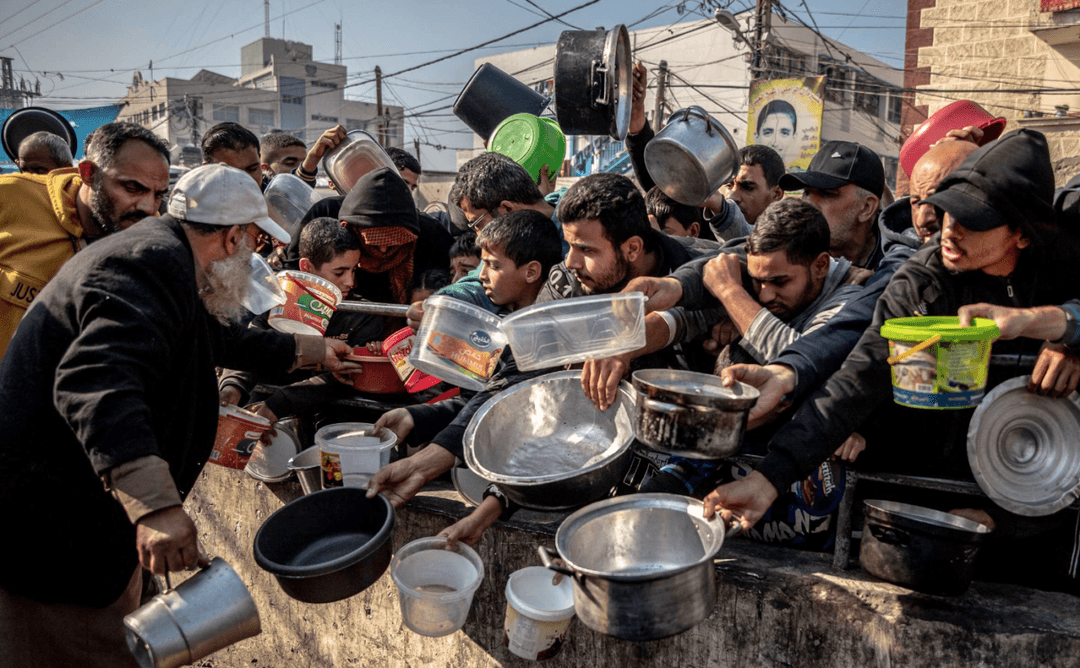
{"x": 280, "y": 87}
{"x": 710, "y": 67}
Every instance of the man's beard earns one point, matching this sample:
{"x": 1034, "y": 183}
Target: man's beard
{"x": 103, "y": 210}
{"x": 609, "y": 281}
{"x": 226, "y": 284}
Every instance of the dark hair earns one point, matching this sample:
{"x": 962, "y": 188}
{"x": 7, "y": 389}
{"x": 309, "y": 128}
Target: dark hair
{"x": 524, "y": 236}
{"x": 465, "y": 245}
{"x": 613, "y": 200}
{"x": 793, "y": 226}
{"x": 772, "y": 165}
{"x": 777, "y": 107}
{"x": 275, "y": 141}
{"x": 662, "y": 207}
{"x": 227, "y": 135}
{"x": 489, "y": 179}
{"x": 430, "y": 280}
{"x": 322, "y": 239}
{"x": 59, "y": 150}
{"x": 403, "y": 159}
{"x": 107, "y": 141}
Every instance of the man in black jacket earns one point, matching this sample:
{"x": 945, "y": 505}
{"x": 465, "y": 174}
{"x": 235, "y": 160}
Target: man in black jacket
{"x": 997, "y": 245}
{"x": 108, "y": 411}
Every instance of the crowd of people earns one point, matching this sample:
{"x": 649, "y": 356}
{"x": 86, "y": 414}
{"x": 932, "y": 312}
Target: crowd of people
{"x": 122, "y": 328}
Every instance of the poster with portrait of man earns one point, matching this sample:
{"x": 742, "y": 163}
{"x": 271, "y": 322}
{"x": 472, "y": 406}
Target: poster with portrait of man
{"x": 785, "y": 115}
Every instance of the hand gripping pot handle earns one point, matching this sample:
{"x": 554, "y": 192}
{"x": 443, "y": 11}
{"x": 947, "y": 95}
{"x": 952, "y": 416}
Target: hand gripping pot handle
{"x": 552, "y": 562}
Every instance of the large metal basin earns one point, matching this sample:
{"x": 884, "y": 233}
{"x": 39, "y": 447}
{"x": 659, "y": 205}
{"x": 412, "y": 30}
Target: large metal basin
{"x": 547, "y": 446}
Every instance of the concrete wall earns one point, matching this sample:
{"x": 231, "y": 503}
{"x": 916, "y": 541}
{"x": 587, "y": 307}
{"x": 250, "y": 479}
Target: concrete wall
{"x": 775, "y": 607}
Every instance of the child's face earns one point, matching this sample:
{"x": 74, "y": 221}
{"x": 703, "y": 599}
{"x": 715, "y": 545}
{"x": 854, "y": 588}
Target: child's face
{"x": 339, "y": 270}
{"x": 462, "y": 265}
{"x": 504, "y": 282}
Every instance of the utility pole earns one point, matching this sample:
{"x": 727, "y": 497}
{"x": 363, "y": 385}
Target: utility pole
{"x": 337, "y": 44}
{"x": 658, "y": 110}
{"x": 266, "y": 16}
{"x": 416, "y": 147}
{"x": 378, "y": 105}
{"x": 762, "y": 27}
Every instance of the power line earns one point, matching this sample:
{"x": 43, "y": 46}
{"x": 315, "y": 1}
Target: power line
{"x": 56, "y": 23}
{"x": 33, "y": 20}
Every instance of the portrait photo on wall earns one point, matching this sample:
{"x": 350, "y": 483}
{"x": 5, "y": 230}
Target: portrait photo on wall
{"x": 785, "y": 115}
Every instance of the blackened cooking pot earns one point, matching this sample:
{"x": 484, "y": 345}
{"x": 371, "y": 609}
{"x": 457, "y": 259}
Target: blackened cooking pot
{"x": 327, "y": 546}
{"x": 690, "y": 414}
{"x": 593, "y": 82}
{"x": 491, "y": 96}
{"x": 919, "y": 548}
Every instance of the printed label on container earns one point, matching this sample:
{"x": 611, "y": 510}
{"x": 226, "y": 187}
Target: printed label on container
{"x": 470, "y": 358}
{"x": 532, "y": 639}
{"x": 331, "y": 470}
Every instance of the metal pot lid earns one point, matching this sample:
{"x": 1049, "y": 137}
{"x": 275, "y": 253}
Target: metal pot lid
{"x": 25, "y": 122}
{"x": 619, "y": 80}
{"x": 877, "y": 509}
{"x": 271, "y": 463}
{"x": 1023, "y": 449}
{"x": 693, "y": 388}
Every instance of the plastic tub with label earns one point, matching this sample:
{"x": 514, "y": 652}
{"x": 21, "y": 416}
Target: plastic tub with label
{"x": 458, "y": 342}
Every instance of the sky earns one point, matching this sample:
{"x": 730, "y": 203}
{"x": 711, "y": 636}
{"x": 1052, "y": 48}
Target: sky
{"x": 84, "y": 52}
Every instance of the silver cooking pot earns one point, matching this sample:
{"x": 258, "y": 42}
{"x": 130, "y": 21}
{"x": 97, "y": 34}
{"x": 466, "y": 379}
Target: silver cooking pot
{"x": 692, "y": 156}
{"x": 690, "y": 414}
{"x": 642, "y": 564}
{"x": 547, "y": 446}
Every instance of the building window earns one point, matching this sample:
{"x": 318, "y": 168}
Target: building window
{"x": 227, "y": 112}
{"x": 896, "y": 108}
{"x": 355, "y": 124}
{"x": 324, "y": 119}
{"x": 324, "y": 84}
{"x": 154, "y": 113}
{"x": 264, "y": 117}
{"x": 865, "y": 100}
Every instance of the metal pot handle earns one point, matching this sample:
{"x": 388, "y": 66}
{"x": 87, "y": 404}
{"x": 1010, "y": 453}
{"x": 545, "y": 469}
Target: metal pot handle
{"x": 673, "y": 409}
{"x": 550, "y": 561}
{"x": 694, "y": 110}
{"x": 733, "y": 529}
{"x": 889, "y": 535}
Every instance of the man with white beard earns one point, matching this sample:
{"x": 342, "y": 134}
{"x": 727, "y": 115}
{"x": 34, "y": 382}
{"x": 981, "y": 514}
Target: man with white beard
{"x": 108, "y": 410}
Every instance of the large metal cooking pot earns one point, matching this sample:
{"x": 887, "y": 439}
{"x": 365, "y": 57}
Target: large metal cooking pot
{"x": 920, "y": 548}
{"x": 491, "y": 96}
{"x": 642, "y": 564}
{"x": 690, "y": 414}
{"x": 547, "y": 446}
{"x": 692, "y": 156}
{"x": 327, "y": 546}
{"x": 593, "y": 82}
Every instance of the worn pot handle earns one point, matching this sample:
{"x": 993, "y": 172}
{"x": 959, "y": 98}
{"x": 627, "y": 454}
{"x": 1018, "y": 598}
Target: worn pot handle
{"x": 733, "y": 529}
{"x": 550, "y": 561}
{"x": 673, "y": 409}
{"x": 890, "y": 535}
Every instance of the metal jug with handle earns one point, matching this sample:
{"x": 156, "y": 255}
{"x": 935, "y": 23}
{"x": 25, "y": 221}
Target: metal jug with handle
{"x": 205, "y": 613}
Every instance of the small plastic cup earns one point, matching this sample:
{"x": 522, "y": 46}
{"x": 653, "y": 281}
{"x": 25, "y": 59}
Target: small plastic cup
{"x": 436, "y": 585}
{"x": 538, "y": 613}
{"x": 350, "y": 455}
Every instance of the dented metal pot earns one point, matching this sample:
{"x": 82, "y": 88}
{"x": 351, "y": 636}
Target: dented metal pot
{"x": 690, "y": 414}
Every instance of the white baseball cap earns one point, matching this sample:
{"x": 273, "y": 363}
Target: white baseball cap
{"x": 222, "y": 195}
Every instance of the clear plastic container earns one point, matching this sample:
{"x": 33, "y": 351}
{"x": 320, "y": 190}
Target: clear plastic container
{"x": 288, "y": 200}
{"x": 568, "y": 331}
{"x": 355, "y": 156}
{"x": 436, "y": 585}
{"x": 458, "y": 342}
{"x": 263, "y": 290}
{"x": 351, "y": 454}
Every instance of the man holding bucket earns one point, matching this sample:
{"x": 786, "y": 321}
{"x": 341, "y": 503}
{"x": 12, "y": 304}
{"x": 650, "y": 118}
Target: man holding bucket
{"x": 992, "y": 250}
{"x": 108, "y": 410}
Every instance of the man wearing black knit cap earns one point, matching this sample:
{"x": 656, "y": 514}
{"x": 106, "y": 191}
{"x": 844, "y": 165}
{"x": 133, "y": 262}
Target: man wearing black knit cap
{"x": 998, "y": 245}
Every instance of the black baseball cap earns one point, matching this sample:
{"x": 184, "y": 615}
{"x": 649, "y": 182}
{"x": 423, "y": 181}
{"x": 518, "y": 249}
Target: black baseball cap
{"x": 837, "y": 164}
{"x": 1011, "y": 179}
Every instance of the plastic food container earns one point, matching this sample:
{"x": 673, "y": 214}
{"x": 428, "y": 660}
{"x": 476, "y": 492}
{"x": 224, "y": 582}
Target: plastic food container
{"x": 349, "y": 455}
{"x": 574, "y": 330}
{"x": 378, "y": 375}
{"x": 949, "y": 374}
{"x": 355, "y": 156}
{"x": 538, "y": 613}
{"x": 436, "y": 585}
{"x": 238, "y": 433}
{"x": 954, "y": 116}
{"x": 531, "y": 142}
{"x": 270, "y": 461}
{"x": 288, "y": 199}
{"x": 459, "y": 342}
{"x": 263, "y": 290}
{"x": 309, "y": 305}
{"x": 398, "y": 348}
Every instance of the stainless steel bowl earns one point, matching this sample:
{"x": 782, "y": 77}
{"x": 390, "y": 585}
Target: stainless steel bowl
{"x": 547, "y": 446}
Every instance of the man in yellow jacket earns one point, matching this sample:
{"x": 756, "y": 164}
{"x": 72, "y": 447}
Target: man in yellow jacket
{"x": 46, "y": 219}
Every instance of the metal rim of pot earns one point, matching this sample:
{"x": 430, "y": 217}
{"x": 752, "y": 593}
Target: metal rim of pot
{"x": 341, "y": 563}
{"x": 329, "y": 165}
{"x": 925, "y": 520}
{"x": 529, "y": 481}
{"x": 651, "y": 383}
{"x": 619, "y": 83}
{"x": 670, "y": 138}
{"x": 599, "y": 83}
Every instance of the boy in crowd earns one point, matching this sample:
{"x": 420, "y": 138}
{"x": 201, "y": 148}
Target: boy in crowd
{"x": 670, "y": 217}
{"x": 464, "y": 256}
{"x": 328, "y": 251}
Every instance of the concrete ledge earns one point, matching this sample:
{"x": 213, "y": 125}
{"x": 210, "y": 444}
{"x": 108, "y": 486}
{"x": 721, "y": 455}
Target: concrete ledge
{"x": 776, "y": 607}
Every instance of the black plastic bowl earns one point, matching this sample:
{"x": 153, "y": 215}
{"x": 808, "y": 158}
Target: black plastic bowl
{"x": 327, "y": 546}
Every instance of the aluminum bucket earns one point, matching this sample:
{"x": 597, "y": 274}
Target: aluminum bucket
{"x": 207, "y": 612}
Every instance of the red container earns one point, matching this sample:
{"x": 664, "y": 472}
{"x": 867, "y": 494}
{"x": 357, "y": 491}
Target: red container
{"x": 955, "y": 116}
{"x": 378, "y": 375}
{"x": 238, "y": 433}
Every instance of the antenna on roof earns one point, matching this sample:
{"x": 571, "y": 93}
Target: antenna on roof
{"x": 266, "y": 16}
{"x": 337, "y": 43}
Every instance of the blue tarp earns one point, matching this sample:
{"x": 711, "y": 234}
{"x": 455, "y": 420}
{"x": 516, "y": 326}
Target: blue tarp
{"x": 84, "y": 121}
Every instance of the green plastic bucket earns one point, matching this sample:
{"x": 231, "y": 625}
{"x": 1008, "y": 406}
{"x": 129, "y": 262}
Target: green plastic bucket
{"x": 949, "y": 374}
{"x": 531, "y": 142}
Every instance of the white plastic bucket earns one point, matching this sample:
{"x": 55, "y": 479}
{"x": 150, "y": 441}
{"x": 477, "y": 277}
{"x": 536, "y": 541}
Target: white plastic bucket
{"x": 349, "y": 455}
{"x": 538, "y": 613}
{"x": 436, "y": 585}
